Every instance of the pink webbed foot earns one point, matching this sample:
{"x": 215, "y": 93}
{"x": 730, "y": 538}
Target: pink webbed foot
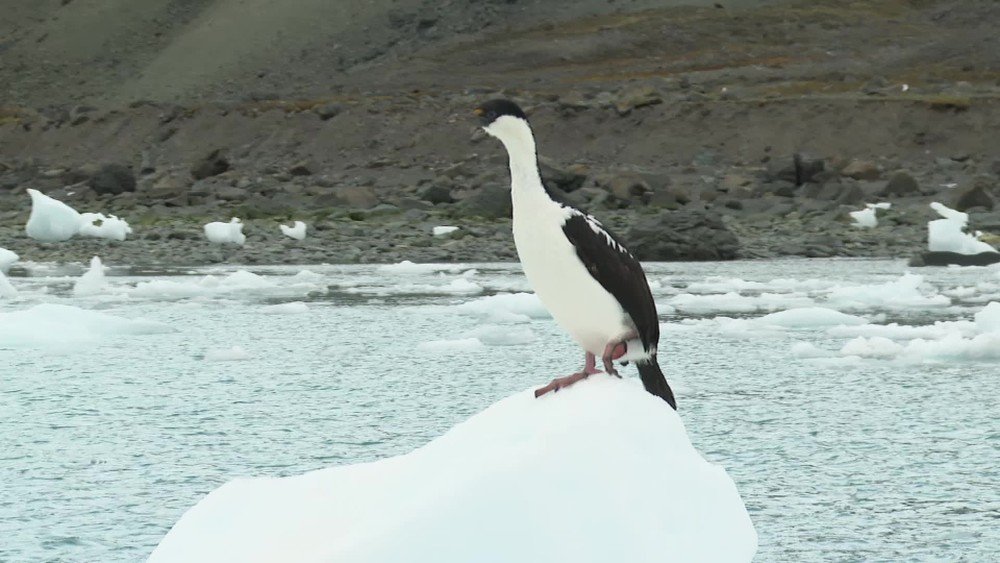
{"x": 613, "y": 351}
{"x": 589, "y": 368}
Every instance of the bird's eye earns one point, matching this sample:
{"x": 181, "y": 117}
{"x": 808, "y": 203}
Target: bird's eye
{"x": 491, "y": 114}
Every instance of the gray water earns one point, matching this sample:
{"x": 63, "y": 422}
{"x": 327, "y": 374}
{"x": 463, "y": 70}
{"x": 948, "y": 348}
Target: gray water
{"x": 105, "y": 443}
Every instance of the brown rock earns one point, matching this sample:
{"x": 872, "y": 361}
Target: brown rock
{"x": 975, "y": 196}
{"x": 862, "y": 170}
{"x": 901, "y": 184}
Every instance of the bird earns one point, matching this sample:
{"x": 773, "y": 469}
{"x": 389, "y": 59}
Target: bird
{"x": 593, "y": 286}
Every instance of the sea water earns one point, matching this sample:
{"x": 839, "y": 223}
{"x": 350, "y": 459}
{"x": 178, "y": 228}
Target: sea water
{"x": 109, "y": 433}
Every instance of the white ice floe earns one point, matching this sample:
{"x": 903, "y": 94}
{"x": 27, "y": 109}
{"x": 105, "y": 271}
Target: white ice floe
{"x": 297, "y": 231}
{"x": 293, "y": 308}
{"x": 505, "y": 307}
{"x": 407, "y": 267}
{"x": 809, "y": 317}
{"x": 97, "y": 225}
{"x": 601, "y": 471}
{"x": 51, "y": 220}
{"x": 54, "y": 324}
{"x": 948, "y": 234}
{"x": 735, "y": 303}
{"x": 233, "y": 354}
{"x": 874, "y": 347}
{"x": 455, "y": 346}
{"x": 866, "y": 218}
{"x": 239, "y": 283}
{"x": 221, "y": 233}
{"x": 443, "y": 230}
{"x": 503, "y": 335}
{"x": 7, "y": 290}
{"x": 809, "y": 350}
{"x": 92, "y": 282}
{"x": 896, "y": 331}
{"x": 907, "y": 291}
{"x": 7, "y": 259}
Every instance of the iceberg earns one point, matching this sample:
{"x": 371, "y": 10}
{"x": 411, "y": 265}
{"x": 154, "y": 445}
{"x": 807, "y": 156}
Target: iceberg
{"x": 92, "y": 281}
{"x": 51, "y": 220}
{"x": 52, "y": 324}
{"x": 601, "y": 471}
{"x": 948, "y": 234}
{"x": 221, "y": 233}
{"x": 297, "y": 231}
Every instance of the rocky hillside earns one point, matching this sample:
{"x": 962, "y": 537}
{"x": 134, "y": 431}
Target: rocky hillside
{"x": 767, "y": 120}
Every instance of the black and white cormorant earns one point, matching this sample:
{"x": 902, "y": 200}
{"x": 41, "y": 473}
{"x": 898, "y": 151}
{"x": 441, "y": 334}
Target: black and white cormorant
{"x": 593, "y": 286}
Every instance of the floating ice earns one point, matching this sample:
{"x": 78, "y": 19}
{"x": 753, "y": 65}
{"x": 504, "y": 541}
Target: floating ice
{"x": 948, "y": 234}
{"x": 806, "y": 317}
{"x": 496, "y": 335}
{"x": 293, "y": 308}
{"x": 506, "y": 307}
{"x": 601, "y": 471}
{"x": 903, "y": 292}
{"x": 809, "y": 350}
{"x": 7, "y": 259}
{"x": 92, "y": 281}
{"x": 7, "y": 291}
{"x": 54, "y": 324}
{"x": 874, "y": 347}
{"x": 237, "y": 283}
{"x": 97, "y": 225}
{"x": 896, "y": 331}
{"x": 988, "y": 319}
{"x": 234, "y": 354}
{"x": 297, "y": 231}
{"x": 866, "y": 217}
{"x": 51, "y": 220}
{"x": 221, "y": 233}
{"x": 450, "y": 346}
{"x": 407, "y": 267}
{"x": 443, "y": 230}
{"x": 735, "y": 303}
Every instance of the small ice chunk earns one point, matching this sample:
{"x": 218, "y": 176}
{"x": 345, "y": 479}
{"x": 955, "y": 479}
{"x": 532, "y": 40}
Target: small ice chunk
{"x": 7, "y": 259}
{"x": 221, "y": 233}
{"x": 450, "y": 346}
{"x": 92, "y": 281}
{"x": 7, "y": 291}
{"x": 293, "y": 308}
{"x": 510, "y": 307}
{"x": 462, "y": 285}
{"x": 51, "y": 220}
{"x": 497, "y": 335}
{"x": 806, "y": 317}
{"x": 809, "y": 350}
{"x": 297, "y": 231}
{"x": 874, "y": 347}
{"x": 864, "y": 218}
{"x": 988, "y": 320}
{"x": 443, "y": 230}
{"x": 97, "y": 225}
{"x": 407, "y": 267}
{"x": 234, "y": 354}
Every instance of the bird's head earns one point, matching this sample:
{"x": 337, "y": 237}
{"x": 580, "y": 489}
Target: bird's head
{"x": 502, "y": 119}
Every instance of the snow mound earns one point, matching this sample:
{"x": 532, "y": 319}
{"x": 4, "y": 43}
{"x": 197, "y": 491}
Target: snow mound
{"x": 234, "y": 354}
{"x": 506, "y": 307}
{"x": 293, "y": 308}
{"x": 807, "y": 317}
{"x": 92, "y": 281}
{"x": 7, "y": 259}
{"x": 601, "y": 471}
{"x": 948, "y": 234}
{"x": 51, "y": 323}
{"x": 221, "y": 233}
{"x": 443, "y": 230}
{"x": 7, "y": 291}
{"x": 97, "y": 225}
{"x": 297, "y": 231}
{"x": 51, "y": 220}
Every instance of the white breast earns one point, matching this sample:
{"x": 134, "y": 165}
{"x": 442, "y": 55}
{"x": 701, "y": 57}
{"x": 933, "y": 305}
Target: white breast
{"x": 578, "y": 303}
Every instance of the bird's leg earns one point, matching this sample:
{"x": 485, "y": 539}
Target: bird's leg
{"x": 615, "y": 350}
{"x": 589, "y": 368}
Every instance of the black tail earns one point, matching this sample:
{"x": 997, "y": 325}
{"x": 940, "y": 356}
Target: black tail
{"x": 654, "y": 382}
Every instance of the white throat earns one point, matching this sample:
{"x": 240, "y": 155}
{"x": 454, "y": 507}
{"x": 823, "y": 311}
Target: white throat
{"x": 515, "y": 134}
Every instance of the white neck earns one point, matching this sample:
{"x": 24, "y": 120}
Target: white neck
{"x": 515, "y": 134}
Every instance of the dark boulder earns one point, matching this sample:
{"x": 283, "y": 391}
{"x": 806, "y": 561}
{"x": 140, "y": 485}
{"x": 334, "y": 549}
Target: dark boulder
{"x": 490, "y": 200}
{"x": 682, "y": 235}
{"x": 976, "y": 195}
{"x": 437, "y": 194}
{"x": 213, "y": 164}
{"x": 798, "y": 170}
{"x": 566, "y": 179}
{"x": 953, "y": 258}
{"x": 112, "y": 179}
{"x": 901, "y": 184}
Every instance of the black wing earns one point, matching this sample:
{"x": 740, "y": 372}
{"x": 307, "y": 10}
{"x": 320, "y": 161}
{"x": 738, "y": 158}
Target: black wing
{"x": 614, "y": 267}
